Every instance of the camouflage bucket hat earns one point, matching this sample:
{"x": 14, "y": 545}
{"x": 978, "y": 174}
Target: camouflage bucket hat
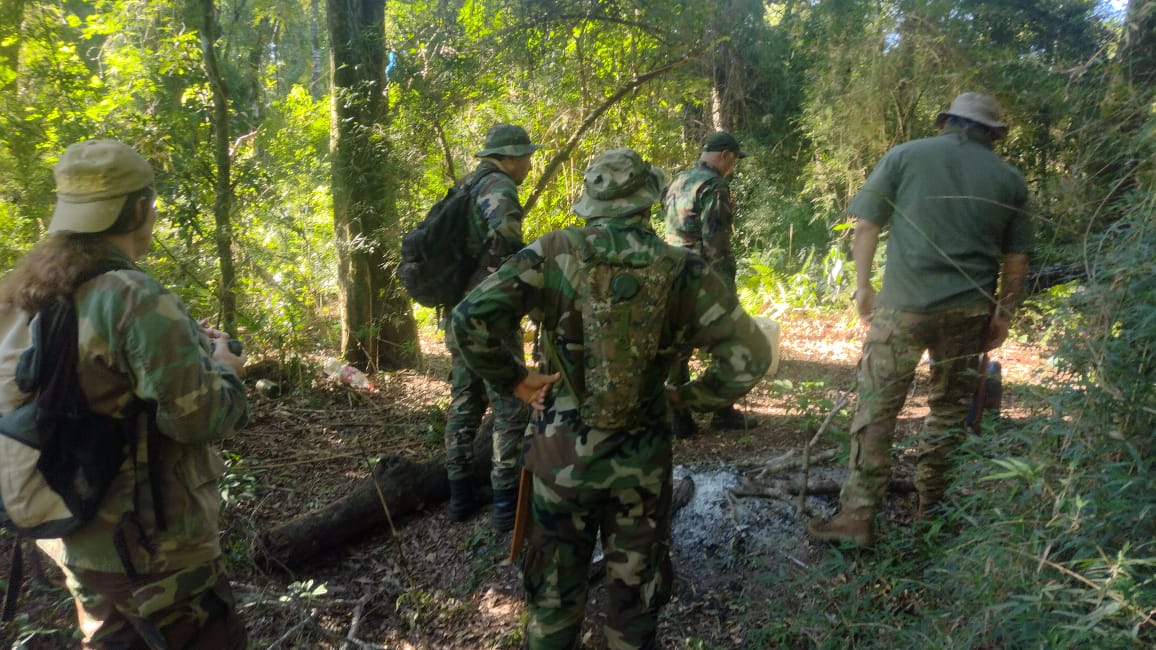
{"x": 618, "y": 183}
{"x": 507, "y": 140}
{"x": 92, "y": 180}
{"x": 977, "y": 107}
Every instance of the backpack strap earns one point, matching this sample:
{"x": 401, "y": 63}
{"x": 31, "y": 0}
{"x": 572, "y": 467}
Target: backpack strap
{"x": 484, "y": 234}
{"x": 15, "y": 582}
{"x": 131, "y": 422}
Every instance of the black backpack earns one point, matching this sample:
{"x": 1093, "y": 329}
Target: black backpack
{"x": 435, "y": 267}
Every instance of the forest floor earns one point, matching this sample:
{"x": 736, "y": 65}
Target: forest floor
{"x": 440, "y": 585}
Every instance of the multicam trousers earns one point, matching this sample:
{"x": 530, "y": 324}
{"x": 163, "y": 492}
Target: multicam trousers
{"x": 635, "y": 526}
{"x": 891, "y": 352}
{"x": 469, "y": 395}
{"x": 190, "y": 608}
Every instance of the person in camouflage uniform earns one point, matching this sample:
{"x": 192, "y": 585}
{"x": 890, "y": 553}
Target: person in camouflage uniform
{"x": 495, "y": 234}
{"x": 137, "y": 342}
{"x": 958, "y": 222}
{"x": 614, "y": 479}
{"x": 699, "y": 212}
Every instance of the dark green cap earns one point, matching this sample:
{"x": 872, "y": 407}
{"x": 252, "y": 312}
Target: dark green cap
{"x": 723, "y": 141}
{"x": 507, "y": 140}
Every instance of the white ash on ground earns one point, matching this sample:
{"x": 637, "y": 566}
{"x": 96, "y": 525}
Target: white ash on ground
{"x": 718, "y": 532}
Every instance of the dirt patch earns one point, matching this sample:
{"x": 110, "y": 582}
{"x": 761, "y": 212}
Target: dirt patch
{"x": 439, "y": 585}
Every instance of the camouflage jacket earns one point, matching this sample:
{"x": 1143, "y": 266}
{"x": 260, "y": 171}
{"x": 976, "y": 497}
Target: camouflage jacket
{"x": 496, "y": 227}
{"x": 542, "y": 281}
{"x": 138, "y": 340}
{"x": 700, "y": 216}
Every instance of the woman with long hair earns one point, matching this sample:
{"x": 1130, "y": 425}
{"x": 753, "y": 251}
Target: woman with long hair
{"x": 146, "y": 570}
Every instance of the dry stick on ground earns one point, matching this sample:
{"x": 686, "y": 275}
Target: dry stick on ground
{"x": 839, "y": 404}
{"x": 305, "y": 620}
{"x": 790, "y": 460}
{"x": 401, "y": 557}
{"x": 355, "y": 619}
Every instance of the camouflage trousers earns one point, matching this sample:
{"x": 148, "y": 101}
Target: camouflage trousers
{"x": 189, "y": 608}
{"x": 469, "y": 395}
{"x": 892, "y": 350}
{"x": 635, "y": 527}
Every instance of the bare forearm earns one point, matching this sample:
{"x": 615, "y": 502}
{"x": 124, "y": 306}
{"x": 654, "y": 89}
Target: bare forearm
{"x": 1011, "y": 282}
{"x": 863, "y": 251}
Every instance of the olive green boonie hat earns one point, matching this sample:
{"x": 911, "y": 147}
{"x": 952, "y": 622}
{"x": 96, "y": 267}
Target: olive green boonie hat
{"x": 977, "y": 107}
{"x": 618, "y": 183}
{"x": 92, "y": 180}
{"x": 723, "y": 141}
{"x": 507, "y": 140}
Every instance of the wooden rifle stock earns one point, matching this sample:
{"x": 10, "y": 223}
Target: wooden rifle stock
{"x": 981, "y": 389}
{"x": 522, "y": 515}
{"x": 980, "y": 395}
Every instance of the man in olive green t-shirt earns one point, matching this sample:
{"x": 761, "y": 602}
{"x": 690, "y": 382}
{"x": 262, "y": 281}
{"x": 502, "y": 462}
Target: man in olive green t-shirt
{"x": 958, "y": 228}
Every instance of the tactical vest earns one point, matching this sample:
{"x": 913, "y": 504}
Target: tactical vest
{"x": 624, "y": 296}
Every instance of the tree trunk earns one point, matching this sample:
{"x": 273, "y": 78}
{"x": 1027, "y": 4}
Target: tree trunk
{"x": 407, "y": 487}
{"x": 223, "y": 184}
{"x": 377, "y": 327}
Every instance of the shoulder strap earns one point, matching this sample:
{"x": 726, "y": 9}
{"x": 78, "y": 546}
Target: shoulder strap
{"x": 480, "y": 229}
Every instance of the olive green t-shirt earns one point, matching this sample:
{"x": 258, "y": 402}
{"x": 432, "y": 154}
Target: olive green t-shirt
{"x": 952, "y": 208}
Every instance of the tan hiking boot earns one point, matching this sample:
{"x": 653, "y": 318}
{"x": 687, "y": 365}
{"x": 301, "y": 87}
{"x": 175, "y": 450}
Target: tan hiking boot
{"x": 844, "y": 527}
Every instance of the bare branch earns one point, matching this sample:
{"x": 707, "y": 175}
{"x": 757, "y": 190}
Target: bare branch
{"x": 564, "y": 153}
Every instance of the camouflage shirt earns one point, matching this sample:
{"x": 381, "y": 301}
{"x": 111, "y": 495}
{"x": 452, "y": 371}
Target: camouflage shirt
{"x": 138, "y": 340}
{"x": 542, "y": 281}
{"x": 496, "y": 231}
{"x": 700, "y": 216}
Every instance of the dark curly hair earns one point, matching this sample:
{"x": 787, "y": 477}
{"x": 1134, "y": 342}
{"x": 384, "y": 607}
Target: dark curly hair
{"x": 53, "y": 268}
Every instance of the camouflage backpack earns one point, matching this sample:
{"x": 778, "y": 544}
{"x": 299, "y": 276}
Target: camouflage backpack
{"x": 624, "y": 296}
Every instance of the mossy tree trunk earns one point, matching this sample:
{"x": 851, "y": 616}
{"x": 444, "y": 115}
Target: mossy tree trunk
{"x": 377, "y": 327}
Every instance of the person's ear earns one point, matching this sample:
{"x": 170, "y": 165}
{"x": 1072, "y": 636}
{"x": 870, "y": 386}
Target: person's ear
{"x": 141, "y": 209}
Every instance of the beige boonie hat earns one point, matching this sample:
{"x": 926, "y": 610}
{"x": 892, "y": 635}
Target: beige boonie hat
{"x": 618, "y": 183}
{"x": 507, "y": 140}
{"x": 977, "y": 107}
{"x": 92, "y": 180}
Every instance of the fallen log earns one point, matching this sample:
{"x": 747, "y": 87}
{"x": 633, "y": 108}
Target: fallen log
{"x": 786, "y": 488}
{"x": 406, "y": 487}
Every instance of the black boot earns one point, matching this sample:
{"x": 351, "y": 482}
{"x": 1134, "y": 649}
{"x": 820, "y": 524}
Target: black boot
{"x": 732, "y": 418}
{"x": 684, "y": 424}
{"x": 505, "y": 509}
{"x": 463, "y": 502}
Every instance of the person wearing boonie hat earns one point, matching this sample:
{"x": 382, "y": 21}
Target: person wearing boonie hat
{"x": 957, "y": 255}
{"x": 613, "y": 302}
{"x": 496, "y": 234}
{"x": 139, "y": 351}
{"x": 699, "y": 211}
